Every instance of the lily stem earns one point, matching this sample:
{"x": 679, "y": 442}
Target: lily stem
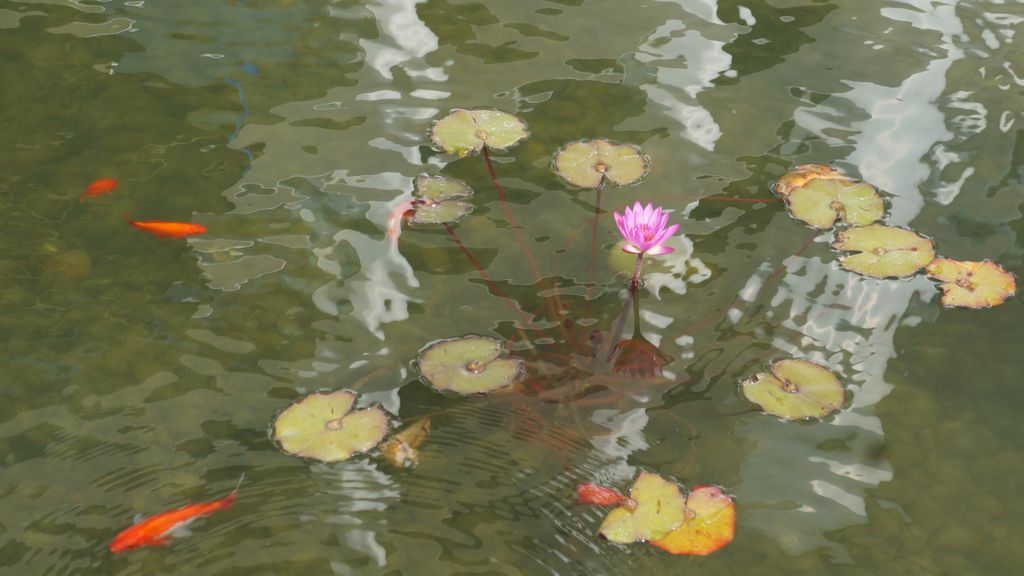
{"x": 552, "y": 308}
{"x": 634, "y": 284}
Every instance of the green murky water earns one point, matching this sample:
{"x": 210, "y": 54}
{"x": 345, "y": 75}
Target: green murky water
{"x": 139, "y": 374}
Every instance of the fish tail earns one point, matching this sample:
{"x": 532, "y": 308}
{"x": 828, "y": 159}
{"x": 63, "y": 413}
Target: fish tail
{"x": 239, "y": 483}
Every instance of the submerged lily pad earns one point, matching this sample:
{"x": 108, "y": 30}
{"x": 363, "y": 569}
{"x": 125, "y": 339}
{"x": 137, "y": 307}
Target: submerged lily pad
{"x": 322, "y": 427}
{"x": 401, "y": 449}
{"x": 587, "y": 163}
{"x": 884, "y": 251}
{"x": 803, "y": 174}
{"x": 465, "y": 132}
{"x": 469, "y": 365}
{"x": 437, "y": 188}
{"x": 972, "y": 284}
{"x": 795, "y": 390}
{"x": 820, "y": 202}
{"x": 710, "y": 524}
{"x": 435, "y": 204}
{"x": 655, "y": 508}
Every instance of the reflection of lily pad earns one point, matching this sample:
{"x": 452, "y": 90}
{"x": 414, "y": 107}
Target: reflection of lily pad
{"x": 803, "y": 174}
{"x": 465, "y": 132}
{"x": 401, "y": 449}
{"x": 795, "y": 390}
{"x": 655, "y": 508}
{"x": 469, "y": 365}
{"x": 322, "y": 427}
{"x": 884, "y": 251}
{"x": 588, "y": 162}
{"x": 710, "y": 524}
{"x": 820, "y": 202}
{"x": 972, "y": 284}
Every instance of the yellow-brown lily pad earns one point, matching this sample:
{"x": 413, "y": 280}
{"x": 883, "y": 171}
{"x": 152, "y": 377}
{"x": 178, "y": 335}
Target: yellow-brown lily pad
{"x": 710, "y": 524}
{"x": 588, "y": 163}
{"x": 884, "y": 251}
{"x": 654, "y": 508}
{"x": 820, "y": 202}
{"x": 469, "y": 365}
{"x": 795, "y": 390}
{"x": 465, "y": 132}
{"x": 972, "y": 284}
{"x": 803, "y": 174}
{"x": 323, "y": 427}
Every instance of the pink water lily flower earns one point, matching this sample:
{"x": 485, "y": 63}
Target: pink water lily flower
{"x": 643, "y": 228}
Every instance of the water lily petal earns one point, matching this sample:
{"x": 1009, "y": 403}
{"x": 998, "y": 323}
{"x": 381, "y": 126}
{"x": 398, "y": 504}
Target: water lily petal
{"x": 631, "y": 248}
{"x": 659, "y": 250}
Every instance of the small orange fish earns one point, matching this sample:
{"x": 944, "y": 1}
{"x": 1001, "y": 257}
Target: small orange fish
{"x": 101, "y": 186}
{"x": 168, "y": 229}
{"x": 157, "y": 530}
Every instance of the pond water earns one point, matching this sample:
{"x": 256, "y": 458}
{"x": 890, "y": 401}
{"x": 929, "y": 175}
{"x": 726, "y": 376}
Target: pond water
{"x": 140, "y": 374}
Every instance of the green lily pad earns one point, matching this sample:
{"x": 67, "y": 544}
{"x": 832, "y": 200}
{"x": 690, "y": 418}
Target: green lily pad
{"x": 654, "y": 508}
{"x": 587, "y": 163}
{"x": 443, "y": 212}
{"x": 465, "y": 132}
{"x": 435, "y": 204}
{"x": 803, "y": 174}
{"x": 438, "y": 188}
{"x": 820, "y": 202}
{"x": 469, "y": 365}
{"x": 795, "y": 390}
{"x": 884, "y": 251}
{"x": 972, "y": 284}
{"x": 322, "y": 427}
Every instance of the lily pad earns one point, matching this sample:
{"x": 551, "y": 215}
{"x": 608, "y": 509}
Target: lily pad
{"x": 469, "y": 365}
{"x": 401, "y": 449}
{"x": 443, "y": 212}
{"x": 803, "y": 174}
{"x": 795, "y": 390}
{"x": 437, "y": 188}
{"x": 322, "y": 427}
{"x": 655, "y": 508}
{"x": 972, "y": 284}
{"x": 710, "y": 524}
{"x": 465, "y": 132}
{"x": 884, "y": 251}
{"x": 820, "y": 202}
{"x": 587, "y": 163}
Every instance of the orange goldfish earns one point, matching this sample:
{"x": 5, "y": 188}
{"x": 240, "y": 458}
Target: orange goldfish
{"x": 157, "y": 530}
{"x": 168, "y": 229}
{"x": 101, "y": 186}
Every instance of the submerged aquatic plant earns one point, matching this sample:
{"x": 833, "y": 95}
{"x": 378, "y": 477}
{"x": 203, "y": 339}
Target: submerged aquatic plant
{"x": 644, "y": 230}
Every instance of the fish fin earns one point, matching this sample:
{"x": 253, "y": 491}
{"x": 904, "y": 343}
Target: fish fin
{"x": 240, "y": 480}
{"x": 138, "y": 518}
{"x": 161, "y": 541}
{"x": 179, "y": 530}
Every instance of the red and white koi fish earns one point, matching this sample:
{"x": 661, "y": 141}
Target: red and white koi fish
{"x": 168, "y": 229}
{"x": 157, "y": 530}
{"x": 101, "y": 186}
